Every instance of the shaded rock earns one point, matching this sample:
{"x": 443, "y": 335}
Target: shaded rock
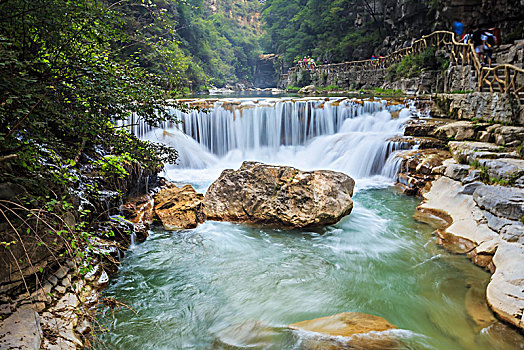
{"x": 470, "y": 188}
{"x": 63, "y": 328}
{"x": 419, "y": 142}
{"x": 502, "y": 201}
{"x": 457, "y": 171}
{"x": 419, "y": 168}
{"x": 423, "y": 161}
{"x": 67, "y": 302}
{"x": 505, "y": 291}
{"x": 21, "y": 330}
{"x": 509, "y": 135}
{"x": 179, "y": 208}
{"x": 496, "y": 223}
{"x": 474, "y": 175}
{"x": 422, "y": 127}
{"x": 61, "y": 272}
{"x": 491, "y": 155}
{"x": 139, "y": 209}
{"x": 279, "y": 196}
{"x": 9, "y": 190}
{"x": 486, "y": 106}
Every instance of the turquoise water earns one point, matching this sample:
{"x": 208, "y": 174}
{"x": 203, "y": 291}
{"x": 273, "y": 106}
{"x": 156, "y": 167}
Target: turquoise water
{"x": 230, "y": 286}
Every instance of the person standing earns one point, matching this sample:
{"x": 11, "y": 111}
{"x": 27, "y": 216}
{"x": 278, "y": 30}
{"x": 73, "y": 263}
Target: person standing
{"x": 478, "y": 44}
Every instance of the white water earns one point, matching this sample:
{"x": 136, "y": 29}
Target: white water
{"x": 198, "y": 289}
{"x": 335, "y": 134}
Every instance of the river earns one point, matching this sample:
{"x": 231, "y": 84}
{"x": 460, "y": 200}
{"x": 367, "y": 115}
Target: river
{"x": 230, "y": 286}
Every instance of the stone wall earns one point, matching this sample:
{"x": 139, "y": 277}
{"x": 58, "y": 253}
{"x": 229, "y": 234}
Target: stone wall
{"x": 484, "y": 106}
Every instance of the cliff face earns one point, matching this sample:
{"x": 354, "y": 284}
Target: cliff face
{"x": 245, "y": 12}
{"x": 408, "y": 20}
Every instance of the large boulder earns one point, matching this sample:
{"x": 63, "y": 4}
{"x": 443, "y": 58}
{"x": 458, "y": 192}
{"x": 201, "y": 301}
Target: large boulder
{"x": 179, "y": 208}
{"x": 279, "y": 196}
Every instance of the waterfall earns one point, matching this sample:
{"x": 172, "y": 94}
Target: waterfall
{"x": 341, "y": 134}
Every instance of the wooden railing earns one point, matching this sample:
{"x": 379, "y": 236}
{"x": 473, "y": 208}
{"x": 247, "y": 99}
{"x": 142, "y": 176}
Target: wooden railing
{"x": 504, "y": 78}
{"x": 511, "y": 81}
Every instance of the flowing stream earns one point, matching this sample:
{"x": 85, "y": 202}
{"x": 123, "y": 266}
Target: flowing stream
{"x": 232, "y": 286}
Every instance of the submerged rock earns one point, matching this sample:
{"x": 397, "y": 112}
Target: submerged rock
{"x": 355, "y": 327}
{"x": 279, "y": 196}
{"x": 179, "y": 208}
{"x": 248, "y": 334}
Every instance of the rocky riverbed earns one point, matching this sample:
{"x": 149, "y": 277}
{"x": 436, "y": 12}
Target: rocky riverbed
{"x": 472, "y": 182}
{"x": 469, "y": 173}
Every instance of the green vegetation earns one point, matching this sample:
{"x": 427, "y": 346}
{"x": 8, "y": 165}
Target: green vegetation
{"x": 520, "y": 150}
{"x": 329, "y": 88}
{"x": 292, "y": 88}
{"x": 222, "y": 42}
{"x": 462, "y": 92}
{"x": 491, "y": 180}
{"x": 339, "y": 30}
{"x": 68, "y": 70}
{"x": 412, "y": 66}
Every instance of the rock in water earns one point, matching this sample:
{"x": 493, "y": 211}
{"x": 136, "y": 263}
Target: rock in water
{"x": 279, "y": 196}
{"x": 179, "y": 208}
{"x": 354, "y": 326}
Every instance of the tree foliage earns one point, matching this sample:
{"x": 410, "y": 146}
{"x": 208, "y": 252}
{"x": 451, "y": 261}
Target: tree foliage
{"x": 222, "y": 40}
{"x": 337, "y": 30}
{"x": 66, "y": 74}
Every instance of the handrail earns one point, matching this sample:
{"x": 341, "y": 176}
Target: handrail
{"x": 460, "y": 53}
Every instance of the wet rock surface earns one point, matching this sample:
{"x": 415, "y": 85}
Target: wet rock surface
{"x": 281, "y": 196}
{"x": 474, "y": 195}
{"x": 359, "y": 330}
{"x": 179, "y": 208}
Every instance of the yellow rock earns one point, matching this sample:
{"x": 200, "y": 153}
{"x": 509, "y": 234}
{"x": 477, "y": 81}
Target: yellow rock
{"x": 355, "y": 327}
{"x": 345, "y": 324}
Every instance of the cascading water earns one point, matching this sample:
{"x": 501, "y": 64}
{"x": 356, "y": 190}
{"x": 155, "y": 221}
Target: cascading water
{"x": 338, "y": 134}
{"x": 232, "y": 286}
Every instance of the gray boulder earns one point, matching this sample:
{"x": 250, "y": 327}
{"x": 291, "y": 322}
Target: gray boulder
{"x": 470, "y": 188}
{"x": 513, "y": 233}
{"x": 506, "y": 202}
{"x": 457, "y": 171}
